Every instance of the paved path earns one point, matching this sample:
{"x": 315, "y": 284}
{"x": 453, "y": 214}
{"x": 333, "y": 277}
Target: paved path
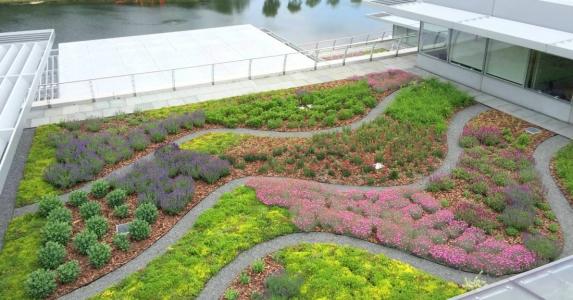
{"x": 186, "y": 223}
{"x": 559, "y": 204}
{"x": 217, "y": 285}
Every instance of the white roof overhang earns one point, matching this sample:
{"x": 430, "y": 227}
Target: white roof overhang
{"x": 388, "y": 18}
{"x": 522, "y": 34}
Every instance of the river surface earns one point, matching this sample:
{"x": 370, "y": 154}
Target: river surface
{"x": 296, "y": 20}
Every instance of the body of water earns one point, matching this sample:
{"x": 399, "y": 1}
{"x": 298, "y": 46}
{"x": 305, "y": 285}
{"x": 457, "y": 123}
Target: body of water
{"x": 296, "y": 20}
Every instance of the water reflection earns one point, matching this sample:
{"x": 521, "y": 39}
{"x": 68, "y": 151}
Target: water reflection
{"x": 271, "y": 8}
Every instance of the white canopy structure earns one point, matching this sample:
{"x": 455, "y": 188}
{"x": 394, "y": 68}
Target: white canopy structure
{"x": 23, "y": 57}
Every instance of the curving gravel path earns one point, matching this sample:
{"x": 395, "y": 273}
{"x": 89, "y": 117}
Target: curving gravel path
{"x": 186, "y": 223}
{"x": 559, "y": 204}
{"x": 217, "y": 285}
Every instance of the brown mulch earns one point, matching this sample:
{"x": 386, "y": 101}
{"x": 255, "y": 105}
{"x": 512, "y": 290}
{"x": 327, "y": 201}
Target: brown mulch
{"x": 257, "y": 280}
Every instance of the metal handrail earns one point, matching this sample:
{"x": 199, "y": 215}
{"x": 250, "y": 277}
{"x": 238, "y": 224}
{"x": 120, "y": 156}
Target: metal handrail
{"x": 351, "y": 37}
{"x": 313, "y": 53}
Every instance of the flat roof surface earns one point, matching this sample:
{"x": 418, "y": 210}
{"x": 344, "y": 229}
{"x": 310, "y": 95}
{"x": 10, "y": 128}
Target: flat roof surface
{"x": 531, "y": 36}
{"x": 553, "y": 281}
{"x": 388, "y": 18}
{"x": 159, "y": 52}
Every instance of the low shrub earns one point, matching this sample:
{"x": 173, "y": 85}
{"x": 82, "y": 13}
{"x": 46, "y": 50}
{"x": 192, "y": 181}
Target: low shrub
{"x": 244, "y": 278}
{"x": 158, "y": 134}
{"x": 100, "y": 188}
{"x": 344, "y": 114}
{"x": 99, "y": 254}
{"x": 121, "y": 241}
{"x": 90, "y": 209}
{"x": 48, "y": 203}
{"x": 274, "y": 123}
{"x": 58, "y": 232}
{"x": 468, "y": 141}
{"x": 97, "y": 225}
{"x": 147, "y": 212}
{"x": 69, "y": 272}
{"x": 439, "y": 183}
{"x": 138, "y": 140}
{"x": 231, "y": 294}
{"x": 544, "y": 247}
{"x": 40, "y": 284}
{"x": 77, "y": 198}
{"x": 462, "y": 174}
{"x": 60, "y": 214}
{"x": 139, "y": 230}
{"x": 84, "y": 240}
{"x": 121, "y": 211}
{"x": 500, "y": 179}
{"x": 258, "y": 266}
{"x": 93, "y": 125}
{"x": 496, "y": 202}
{"x": 479, "y": 188}
{"x": 116, "y": 197}
{"x": 51, "y": 255}
{"x": 284, "y": 286}
{"x": 517, "y": 218}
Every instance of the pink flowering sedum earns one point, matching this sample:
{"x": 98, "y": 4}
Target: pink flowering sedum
{"x": 416, "y": 224}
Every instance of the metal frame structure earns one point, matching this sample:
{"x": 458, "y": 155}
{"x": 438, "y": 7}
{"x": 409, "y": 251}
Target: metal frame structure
{"x": 23, "y": 58}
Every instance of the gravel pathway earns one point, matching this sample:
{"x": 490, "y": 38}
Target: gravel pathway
{"x": 217, "y": 285}
{"x": 159, "y": 247}
{"x": 559, "y": 204}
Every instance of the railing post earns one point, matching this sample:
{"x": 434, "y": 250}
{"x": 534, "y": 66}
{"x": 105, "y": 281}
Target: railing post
{"x": 333, "y": 44}
{"x": 173, "y": 79}
{"x": 351, "y": 41}
{"x": 398, "y": 48}
{"x": 133, "y": 85}
{"x": 383, "y": 35}
{"x": 92, "y": 90}
{"x": 212, "y": 74}
{"x": 372, "y": 51}
{"x": 345, "y": 53}
{"x": 250, "y": 67}
{"x": 284, "y": 64}
{"x": 367, "y": 38}
{"x": 316, "y": 46}
{"x": 316, "y": 59}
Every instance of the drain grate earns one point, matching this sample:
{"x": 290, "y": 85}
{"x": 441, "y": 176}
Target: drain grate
{"x": 532, "y": 130}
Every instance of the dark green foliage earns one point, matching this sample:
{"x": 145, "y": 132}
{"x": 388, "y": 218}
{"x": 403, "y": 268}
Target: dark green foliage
{"x": 542, "y": 246}
{"x": 147, "y": 212}
{"x": 139, "y": 230}
{"x": 468, "y": 141}
{"x": 97, "y": 225}
{"x": 51, "y": 255}
{"x": 84, "y": 240}
{"x": 394, "y": 175}
{"x": 460, "y": 173}
{"x": 116, "y": 197}
{"x": 496, "y": 202}
{"x": 58, "y": 232}
{"x": 252, "y": 157}
{"x": 60, "y": 214}
{"x": 479, "y": 188}
{"x": 47, "y": 203}
{"x": 517, "y": 217}
{"x": 99, "y": 254}
{"x": 274, "y": 123}
{"x": 512, "y": 231}
{"x": 284, "y": 286}
{"x": 121, "y": 211}
{"x": 69, "y": 271}
{"x": 345, "y": 114}
{"x": 100, "y": 188}
{"x": 121, "y": 241}
{"x": 258, "y": 266}
{"x": 90, "y": 209}
{"x": 40, "y": 284}
{"x": 308, "y": 173}
{"x": 77, "y": 198}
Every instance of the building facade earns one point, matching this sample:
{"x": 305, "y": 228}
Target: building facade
{"x": 518, "y": 50}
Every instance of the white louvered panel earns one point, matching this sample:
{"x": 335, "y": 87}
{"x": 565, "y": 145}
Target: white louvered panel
{"x": 9, "y": 58}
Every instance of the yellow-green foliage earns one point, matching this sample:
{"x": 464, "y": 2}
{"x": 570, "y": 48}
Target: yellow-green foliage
{"x": 19, "y": 255}
{"x": 564, "y": 167}
{"x": 337, "y": 272}
{"x": 42, "y": 154}
{"x": 214, "y": 143}
{"x": 236, "y": 223}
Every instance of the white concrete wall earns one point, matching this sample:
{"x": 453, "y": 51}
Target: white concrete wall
{"x": 478, "y": 6}
{"x": 459, "y": 74}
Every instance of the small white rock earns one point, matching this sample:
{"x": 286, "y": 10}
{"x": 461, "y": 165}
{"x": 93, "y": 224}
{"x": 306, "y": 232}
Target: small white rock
{"x": 378, "y": 166}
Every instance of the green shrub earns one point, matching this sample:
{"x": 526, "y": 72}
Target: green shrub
{"x": 90, "y": 209}
{"x": 500, "y": 179}
{"x": 344, "y": 114}
{"x": 244, "y": 278}
{"x": 40, "y": 284}
{"x": 329, "y": 121}
{"x": 48, "y": 203}
{"x": 496, "y": 202}
{"x": 147, "y": 212}
{"x": 516, "y": 217}
{"x": 231, "y": 294}
{"x": 116, "y": 197}
{"x": 60, "y": 214}
{"x": 553, "y": 227}
{"x": 84, "y": 240}
{"x": 99, "y": 254}
{"x": 139, "y": 230}
{"x": 439, "y": 184}
{"x": 274, "y": 123}
{"x": 100, "y": 188}
{"x": 284, "y": 286}
{"x": 564, "y": 167}
{"x": 394, "y": 175}
{"x": 121, "y": 211}
{"x": 462, "y": 174}
{"x": 97, "y": 225}
{"x": 522, "y": 141}
{"x": 77, "y": 198}
{"x": 121, "y": 241}
{"x": 69, "y": 272}
{"x": 479, "y": 188}
{"x": 527, "y": 175}
{"x": 51, "y": 255}
{"x": 511, "y": 231}
{"x": 468, "y": 141}
{"x": 93, "y": 125}
{"x": 258, "y": 266}
{"x": 307, "y": 172}
{"x": 542, "y": 246}
{"x": 58, "y": 232}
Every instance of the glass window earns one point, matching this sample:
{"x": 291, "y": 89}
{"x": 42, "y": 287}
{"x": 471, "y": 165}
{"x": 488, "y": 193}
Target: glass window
{"x": 553, "y": 75}
{"x": 468, "y": 50}
{"x": 434, "y": 41}
{"x": 409, "y": 36}
{"x": 507, "y": 61}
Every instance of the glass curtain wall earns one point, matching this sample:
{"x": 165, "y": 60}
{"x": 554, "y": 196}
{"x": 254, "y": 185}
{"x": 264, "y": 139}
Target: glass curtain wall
{"x": 434, "y": 41}
{"x": 508, "y": 62}
{"x": 552, "y": 75}
{"x": 468, "y": 50}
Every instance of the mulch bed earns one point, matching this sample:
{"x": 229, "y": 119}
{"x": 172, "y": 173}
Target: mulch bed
{"x": 257, "y": 280}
